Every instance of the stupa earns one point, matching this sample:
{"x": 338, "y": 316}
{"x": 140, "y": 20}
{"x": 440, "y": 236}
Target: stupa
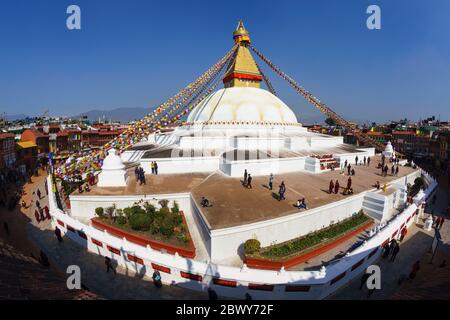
{"x": 242, "y": 122}
{"x": 113, "y": 172}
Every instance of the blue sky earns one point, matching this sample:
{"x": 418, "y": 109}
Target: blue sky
{"x": 138, "y": 53}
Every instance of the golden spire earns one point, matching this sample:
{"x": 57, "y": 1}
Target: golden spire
{"x": 242, "y": 71}
{"x": 241, "y": 35}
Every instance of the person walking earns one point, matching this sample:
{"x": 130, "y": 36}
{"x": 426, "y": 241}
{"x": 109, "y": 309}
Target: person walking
{"x": 271, "y": 181}
{"x": 245, "y": 177}
{"x": 136, "y": 173}
{"x": 403, "y": 233}
{"x": 396, "y": 170}
{"x": 331, "y": 187}
{"x": 386, "y": 169}
{"x": 440, "y": 223}
{"x": 415, "y": 268}
{"x": 336, "y": 187}
{"x": 395, "y": 251}
{"x": 281, "y": 191}
{"x": 364, "y": 160}
{"x": 157, "y": 279}
{"x": 212, "y": 295}
{"x": 349, "y": 168}
{"x": 58, "y": 235}
{"x": 38, "y": 192}
{"x": 368, "y": 161}
{"x": 156, "y": 168}
{"x": 153, "y": 167}
{"x": 249, "y": 181}
{"x": 356, "y": 160}
{"x": 392, "y": 170}
{"x": 109, "y": 265}
{"x": 349, "y": 183}
{"x": 386, "y": 250}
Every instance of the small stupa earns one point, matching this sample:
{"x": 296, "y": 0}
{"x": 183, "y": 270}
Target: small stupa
{"x": 113, "y": 172}
{"x": 389, "y": 151}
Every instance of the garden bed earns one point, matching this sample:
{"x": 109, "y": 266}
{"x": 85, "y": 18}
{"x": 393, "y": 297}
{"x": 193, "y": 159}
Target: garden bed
{"x": 299, "y": 250}
{"x": 144, "y": 238}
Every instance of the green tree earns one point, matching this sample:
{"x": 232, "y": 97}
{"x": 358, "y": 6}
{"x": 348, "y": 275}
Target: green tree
{"x": 330, "y": 122}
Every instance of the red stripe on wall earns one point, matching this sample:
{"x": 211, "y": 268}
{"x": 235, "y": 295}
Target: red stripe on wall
{"x": 160, "y": 268}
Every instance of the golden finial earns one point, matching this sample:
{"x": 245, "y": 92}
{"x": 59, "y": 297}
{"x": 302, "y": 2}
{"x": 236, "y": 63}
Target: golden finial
{"x": 241, "y": 35}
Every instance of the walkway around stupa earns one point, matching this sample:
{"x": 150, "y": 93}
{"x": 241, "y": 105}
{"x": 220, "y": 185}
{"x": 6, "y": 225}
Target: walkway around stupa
{"x": 127, "y": 284}
{"x": 416, "y": 246}
{"x": 200, "y": 275}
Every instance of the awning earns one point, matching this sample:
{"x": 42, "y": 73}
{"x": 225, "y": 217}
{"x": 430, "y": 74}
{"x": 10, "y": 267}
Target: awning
{"x": 26, "y": 144}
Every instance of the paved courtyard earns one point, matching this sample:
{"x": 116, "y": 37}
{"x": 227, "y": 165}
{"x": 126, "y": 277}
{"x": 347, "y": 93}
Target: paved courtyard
{"x": 233, "y": 205}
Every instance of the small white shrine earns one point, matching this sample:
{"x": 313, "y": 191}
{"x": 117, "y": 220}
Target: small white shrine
{"x": 113, "y": 172}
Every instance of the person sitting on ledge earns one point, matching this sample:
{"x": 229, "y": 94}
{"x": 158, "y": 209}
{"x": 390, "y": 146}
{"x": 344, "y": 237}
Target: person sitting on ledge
{"x": 301, "y": 204}
{"x": 86, "y": 188}
{"x": 80, "y": 189}
{"x": 205, "y": 203}
{"x": 377, "y": 185}
{"x": 348, "y": 191}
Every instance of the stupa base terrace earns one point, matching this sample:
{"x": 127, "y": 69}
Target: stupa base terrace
{"x": 238, "y": 213}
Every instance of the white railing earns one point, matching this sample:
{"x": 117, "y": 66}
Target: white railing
{"x": 234, "y": 281}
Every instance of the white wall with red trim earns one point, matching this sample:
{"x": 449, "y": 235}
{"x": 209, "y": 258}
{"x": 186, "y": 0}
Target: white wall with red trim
{"x": 199, "y": 275}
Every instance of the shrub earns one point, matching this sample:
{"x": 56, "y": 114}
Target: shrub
{"x": 99, "y": 212}
{"x": 110, "y": 211}
{"x": 163, "y": 203}
{"x": 164, "y": 211}
{"x": 252, "y": 246}
{"x": 140, "y": 221}
{"x": 176, "y": 207}
{"x": 121, "y": 220}
{"x": 419, "y": 182}
{"x": 149, "y": 208}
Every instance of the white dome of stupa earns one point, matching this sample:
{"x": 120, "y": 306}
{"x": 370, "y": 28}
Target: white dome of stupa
{"x": 112, "y": 161}
{"x": 389, "y": 147}
{"x": 241, "y": 104}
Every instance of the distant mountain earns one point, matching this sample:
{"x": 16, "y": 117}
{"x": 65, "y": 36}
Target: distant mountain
{"x": 119, "y": 114}
{"x": 14, "y": 117}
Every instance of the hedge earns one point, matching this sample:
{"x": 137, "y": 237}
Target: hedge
{"x": 299, "y": 244}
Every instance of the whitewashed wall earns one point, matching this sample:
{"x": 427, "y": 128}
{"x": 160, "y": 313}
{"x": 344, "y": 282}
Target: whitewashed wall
{"x": 262, "y": 167}
{"x": 182, "y": 165}
{"x": 319, "y": 282}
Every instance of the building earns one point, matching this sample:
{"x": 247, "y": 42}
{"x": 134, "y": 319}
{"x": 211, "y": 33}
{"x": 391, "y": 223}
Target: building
{"x": 40, "y": 139}
{"x": 7, "y": 150}
{"x": 27, "y": 152}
